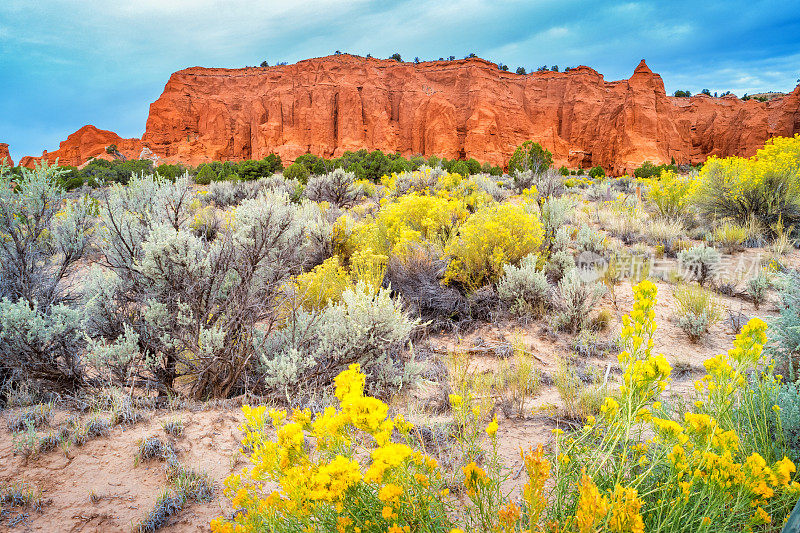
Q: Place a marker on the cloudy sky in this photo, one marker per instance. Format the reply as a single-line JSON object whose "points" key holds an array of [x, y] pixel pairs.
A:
{"points": [[66, 63]]}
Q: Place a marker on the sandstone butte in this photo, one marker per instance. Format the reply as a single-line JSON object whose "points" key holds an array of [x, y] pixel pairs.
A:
{"points": [[5, 156], [455, 109]]}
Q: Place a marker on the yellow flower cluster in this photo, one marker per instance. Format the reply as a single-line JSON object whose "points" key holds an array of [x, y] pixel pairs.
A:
{"points": [[491, 238], [314, 462], [326, 282]]}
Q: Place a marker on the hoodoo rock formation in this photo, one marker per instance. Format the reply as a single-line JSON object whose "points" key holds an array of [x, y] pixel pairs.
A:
{"points": [[454, 109], [5, 155], [86, 143]]}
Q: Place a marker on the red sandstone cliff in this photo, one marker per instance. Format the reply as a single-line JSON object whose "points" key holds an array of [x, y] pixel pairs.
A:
{"points": [[5, 155], [465, 108], [88, 142]]}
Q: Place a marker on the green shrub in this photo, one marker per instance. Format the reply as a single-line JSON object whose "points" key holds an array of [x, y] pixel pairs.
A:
{"points": [[648, 170], [460, 167], [697, 310], [170, 171], [314, 164], [298, 172], [597, 172], [530, 156], [757, 288], [252, 169], [491, 238], [205, 175], [700, 262]]}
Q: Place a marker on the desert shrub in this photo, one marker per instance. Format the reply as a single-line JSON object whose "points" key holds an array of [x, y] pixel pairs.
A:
{"points": [[205, 223], [559, 264], [730, 237], [649, 170], [597, 172], [312, 347], [575, 299], [424, 180], [700, 262], [35, 417], [697, 310], [229, 193], [519, 381], [253, 169], [669, 193], [154, 448], [765, 187], [524, 288], [757, 288], [168, 503], [664, 232], [542, 184], [296, 171], [44, 236], [174, 427], [530, 156], [205, 175], [192, 303], [337, 188], [417, 276], [491, 238], [589, 240], [492, 186], [42, 344], [787, 398]]}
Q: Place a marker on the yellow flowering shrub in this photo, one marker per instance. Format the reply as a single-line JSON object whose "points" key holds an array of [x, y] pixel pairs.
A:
{"points": [[670, 193], [336, 471], [638, 469], [410, 219], [492, 237], [765, 187], [327, 282]]}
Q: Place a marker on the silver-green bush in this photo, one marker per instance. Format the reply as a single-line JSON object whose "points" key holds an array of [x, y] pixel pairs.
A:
{"points": [[313, 347], [524, 288]]}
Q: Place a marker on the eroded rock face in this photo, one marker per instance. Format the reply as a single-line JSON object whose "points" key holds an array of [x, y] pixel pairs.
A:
{"points": [[465, 108], [5, 154], [86, 143]]}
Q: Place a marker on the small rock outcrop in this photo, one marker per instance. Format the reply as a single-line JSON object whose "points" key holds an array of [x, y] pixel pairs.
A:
{"points": [[5, 155], [87, 143]]}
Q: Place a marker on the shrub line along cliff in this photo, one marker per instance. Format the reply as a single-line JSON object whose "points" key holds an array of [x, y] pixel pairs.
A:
{"points": [[454, 109]]}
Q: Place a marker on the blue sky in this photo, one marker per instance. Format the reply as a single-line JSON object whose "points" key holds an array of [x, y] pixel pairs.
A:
{"points": [[66, 63]]}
